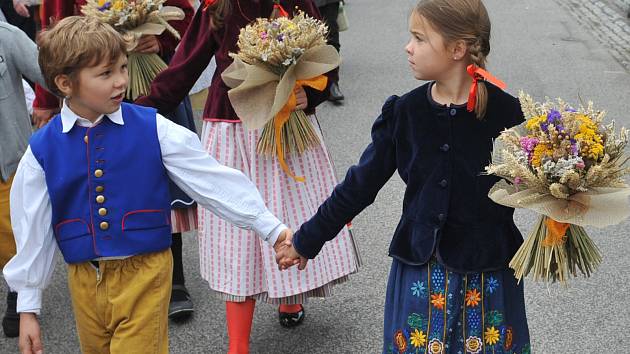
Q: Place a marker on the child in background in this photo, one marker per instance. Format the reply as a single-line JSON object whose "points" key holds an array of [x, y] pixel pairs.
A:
{"points": [[111, 224], [18, 58], [450, 289]]}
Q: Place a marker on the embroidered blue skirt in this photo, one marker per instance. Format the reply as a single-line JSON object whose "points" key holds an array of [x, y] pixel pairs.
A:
{"points": [[429, 309]]}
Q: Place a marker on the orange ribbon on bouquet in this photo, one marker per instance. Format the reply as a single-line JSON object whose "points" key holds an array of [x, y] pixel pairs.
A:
{"points": [[318, 83], [556, 232], [478, 73]]}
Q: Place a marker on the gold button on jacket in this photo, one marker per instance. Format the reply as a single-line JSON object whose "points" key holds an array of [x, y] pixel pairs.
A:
{"points": [[85, 138], [104, 225], [100, 199], [102, 212], [100, 189], [98, 173]]}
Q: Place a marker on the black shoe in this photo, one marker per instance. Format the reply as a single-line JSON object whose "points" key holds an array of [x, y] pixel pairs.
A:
{"points": [[291, 319], [335, 94], [11, 319], [181, 306]]}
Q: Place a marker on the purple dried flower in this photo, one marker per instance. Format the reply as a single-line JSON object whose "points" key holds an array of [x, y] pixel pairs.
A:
{"points": [[553, 116]]}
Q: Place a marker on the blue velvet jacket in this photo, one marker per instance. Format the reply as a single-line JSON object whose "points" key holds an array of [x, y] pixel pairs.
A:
{"points": [[440, 153]]}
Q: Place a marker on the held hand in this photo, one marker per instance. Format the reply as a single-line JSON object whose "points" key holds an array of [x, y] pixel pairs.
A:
{"points": [[147, 44], [21, 9], [287, 256], [280, 242], [301, 99], [30, 336], [42, 116]]}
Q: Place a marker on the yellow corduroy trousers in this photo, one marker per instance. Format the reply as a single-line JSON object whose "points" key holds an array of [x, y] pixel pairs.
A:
{"points": [[123, 306], [7, 241]]}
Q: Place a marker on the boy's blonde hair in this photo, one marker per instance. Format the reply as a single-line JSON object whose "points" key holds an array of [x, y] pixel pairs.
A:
{"points": [[74, 43], [465, 20]]}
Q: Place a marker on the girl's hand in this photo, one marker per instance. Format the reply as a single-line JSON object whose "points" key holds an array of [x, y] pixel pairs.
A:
{"points": [[30, 336], [287, 256], [147, 44], [300, 96]]}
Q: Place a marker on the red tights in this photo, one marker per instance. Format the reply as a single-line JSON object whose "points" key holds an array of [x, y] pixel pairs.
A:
{"points": [[239, 323]]}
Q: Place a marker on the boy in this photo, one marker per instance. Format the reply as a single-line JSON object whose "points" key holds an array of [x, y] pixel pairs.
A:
{"points": [[95, 180], [18, 57]]}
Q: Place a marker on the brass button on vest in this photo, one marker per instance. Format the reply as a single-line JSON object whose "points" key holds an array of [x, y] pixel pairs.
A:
{"points": [[85, 138], [98, 173], [104, 225], [99, 189], [102, 212], [100, 199]]}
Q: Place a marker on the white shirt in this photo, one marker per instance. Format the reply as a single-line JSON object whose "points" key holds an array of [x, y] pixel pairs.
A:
{"points": [[224, 191]]}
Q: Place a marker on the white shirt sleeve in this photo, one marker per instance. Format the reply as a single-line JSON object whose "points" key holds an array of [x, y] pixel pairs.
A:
{"points": [[30, 270], [225, 191]]}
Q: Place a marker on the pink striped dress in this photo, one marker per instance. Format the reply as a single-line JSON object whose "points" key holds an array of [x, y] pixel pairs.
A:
{"points": [[235, 262]]}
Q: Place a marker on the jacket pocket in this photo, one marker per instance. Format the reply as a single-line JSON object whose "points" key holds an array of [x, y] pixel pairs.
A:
{"points": [[145, 219], [70, 229]]}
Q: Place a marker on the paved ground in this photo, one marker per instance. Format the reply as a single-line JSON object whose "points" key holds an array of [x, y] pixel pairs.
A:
{"points": [[538, 46]]}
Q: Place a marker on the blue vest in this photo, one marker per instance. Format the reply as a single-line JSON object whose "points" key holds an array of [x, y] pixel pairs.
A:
{"points": [[108, 186]]}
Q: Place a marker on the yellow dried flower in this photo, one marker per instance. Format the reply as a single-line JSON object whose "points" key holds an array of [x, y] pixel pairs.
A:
{"points": [[540, 151], [534, 123]]}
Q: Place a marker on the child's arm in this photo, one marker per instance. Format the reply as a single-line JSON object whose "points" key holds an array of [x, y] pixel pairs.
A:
{"points": [[30, 270], [192, 56], [357, 191], [225, 191]]}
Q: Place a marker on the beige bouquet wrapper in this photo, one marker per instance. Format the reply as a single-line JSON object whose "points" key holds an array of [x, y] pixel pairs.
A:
{"points": [[258, 94], [599, 207]]}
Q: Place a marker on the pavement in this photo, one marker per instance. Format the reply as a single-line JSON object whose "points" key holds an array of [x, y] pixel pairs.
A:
{"points": [[561, 48]]}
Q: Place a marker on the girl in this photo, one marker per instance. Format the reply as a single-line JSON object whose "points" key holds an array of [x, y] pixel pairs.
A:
{"points": [[450, 289], [238, 267]]}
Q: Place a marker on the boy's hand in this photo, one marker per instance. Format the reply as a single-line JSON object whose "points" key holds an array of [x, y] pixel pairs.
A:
{"points": [[147, 44], [287, 256], [301, 99], [30, 336]]}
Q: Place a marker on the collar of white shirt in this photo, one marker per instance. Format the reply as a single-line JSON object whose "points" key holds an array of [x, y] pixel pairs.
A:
{"points": [[69, 118]]}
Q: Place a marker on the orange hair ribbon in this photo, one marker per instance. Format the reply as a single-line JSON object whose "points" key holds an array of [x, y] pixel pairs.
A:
{"points": [[478, 73], [318, 83], [208, 3]]}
